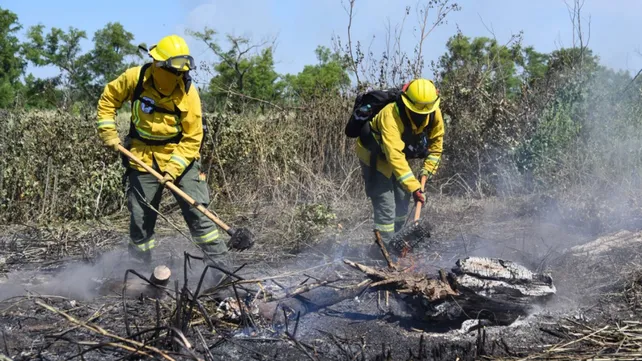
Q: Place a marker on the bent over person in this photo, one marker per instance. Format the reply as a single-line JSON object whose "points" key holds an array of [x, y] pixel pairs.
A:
{"points": [[410, 127], [166, 132]]}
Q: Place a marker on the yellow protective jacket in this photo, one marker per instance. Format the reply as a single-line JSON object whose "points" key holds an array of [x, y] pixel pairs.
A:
{"points": [[387, 129], [171, 158]]}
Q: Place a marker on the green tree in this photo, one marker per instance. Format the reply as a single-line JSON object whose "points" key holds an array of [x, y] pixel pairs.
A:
{"points": [[486, 64], [112, 45], [11, 64], [82, 75], [492, 100], [566, 101], [327, 77], [535, 64], [256, 77], [38, 93], [62, 50], [241, 74]]}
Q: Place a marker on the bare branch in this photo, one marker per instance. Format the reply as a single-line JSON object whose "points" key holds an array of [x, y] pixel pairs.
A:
{"points": [[572, 15], [353, 63], [579, 39], [442, 12]]}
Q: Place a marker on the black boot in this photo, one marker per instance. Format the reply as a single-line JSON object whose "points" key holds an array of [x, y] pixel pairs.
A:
{"points": [[144, 257]]}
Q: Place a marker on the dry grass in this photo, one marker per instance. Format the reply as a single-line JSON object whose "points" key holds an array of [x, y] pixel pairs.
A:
{"points": [[44, 246], [617, 339]]}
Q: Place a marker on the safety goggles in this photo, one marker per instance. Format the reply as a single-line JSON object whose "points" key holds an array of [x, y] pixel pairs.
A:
{"points": [[177, 64], [421, 105]]}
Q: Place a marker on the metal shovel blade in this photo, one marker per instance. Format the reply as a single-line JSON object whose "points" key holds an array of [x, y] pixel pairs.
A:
{"points": [[410, 236], [242, 239]]}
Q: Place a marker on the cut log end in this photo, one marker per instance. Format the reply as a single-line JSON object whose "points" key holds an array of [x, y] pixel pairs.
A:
{"points": [[161, 275]]}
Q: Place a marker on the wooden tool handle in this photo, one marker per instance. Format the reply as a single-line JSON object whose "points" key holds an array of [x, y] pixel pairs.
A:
{"points": [[418, 207], [175, 189]]}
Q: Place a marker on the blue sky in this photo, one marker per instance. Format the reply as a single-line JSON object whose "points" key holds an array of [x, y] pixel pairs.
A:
{"points": [[301, 25]]}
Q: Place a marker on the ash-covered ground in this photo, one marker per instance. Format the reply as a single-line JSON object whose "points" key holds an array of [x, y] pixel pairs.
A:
{"points": [[591, 287]]}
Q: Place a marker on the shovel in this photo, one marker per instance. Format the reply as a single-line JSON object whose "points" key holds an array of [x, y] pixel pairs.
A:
{"points": [[408, 237], [241, 239]]}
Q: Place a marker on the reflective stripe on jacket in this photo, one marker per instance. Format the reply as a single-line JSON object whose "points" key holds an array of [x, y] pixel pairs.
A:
{"points": [[387, 129], [171, 158]]}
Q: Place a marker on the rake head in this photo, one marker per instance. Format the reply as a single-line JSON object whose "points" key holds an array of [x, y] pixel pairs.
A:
{"points": [[410, 236], [242, 239]]}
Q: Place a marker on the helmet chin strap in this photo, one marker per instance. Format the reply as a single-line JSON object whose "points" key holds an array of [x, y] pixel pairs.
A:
{"points": [[416, 118]]}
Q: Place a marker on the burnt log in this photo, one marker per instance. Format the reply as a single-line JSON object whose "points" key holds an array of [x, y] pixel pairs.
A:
{"points": [[494, 290], [311, 301], [609, 245]]}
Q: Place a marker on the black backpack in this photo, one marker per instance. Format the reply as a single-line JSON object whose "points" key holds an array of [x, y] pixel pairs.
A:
{"points": [[366, 106]]}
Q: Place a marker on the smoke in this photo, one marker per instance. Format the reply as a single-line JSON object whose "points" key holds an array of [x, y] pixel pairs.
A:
{"points": [[74, 280]]}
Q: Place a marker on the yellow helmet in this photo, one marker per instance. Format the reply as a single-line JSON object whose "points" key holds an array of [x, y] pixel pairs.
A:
{"points": [[420, 96], [172, 52]]}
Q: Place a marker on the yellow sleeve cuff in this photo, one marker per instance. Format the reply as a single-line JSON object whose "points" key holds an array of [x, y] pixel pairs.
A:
{"points": [[409, 181], [173, 169], [107, 131]]}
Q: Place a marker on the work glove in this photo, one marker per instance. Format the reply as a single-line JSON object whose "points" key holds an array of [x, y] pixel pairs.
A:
{"points": [[113, 143], [166, 178], [418, 196]]}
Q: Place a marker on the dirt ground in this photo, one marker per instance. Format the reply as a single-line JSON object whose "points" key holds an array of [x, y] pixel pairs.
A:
{"points": [[596, 288]]}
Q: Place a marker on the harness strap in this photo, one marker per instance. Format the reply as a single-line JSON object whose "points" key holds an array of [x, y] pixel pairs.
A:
{"points": [[133, 133]]}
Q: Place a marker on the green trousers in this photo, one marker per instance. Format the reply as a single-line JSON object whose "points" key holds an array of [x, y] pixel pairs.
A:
{"points": [[390, 202], [144, 191]]}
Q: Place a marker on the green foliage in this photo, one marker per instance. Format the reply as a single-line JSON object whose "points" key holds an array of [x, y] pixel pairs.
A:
{"points": [[257, 78], [242, 79], [39, 93], [516, 113], [11, 65], [570, 81], [556, 131], [240, 72], [82, 75], [323, 79], [62, 50], [310, 220], [73, 177], [112, 44], [535, 65], [481, 90], [7, 93], [492, 67]]}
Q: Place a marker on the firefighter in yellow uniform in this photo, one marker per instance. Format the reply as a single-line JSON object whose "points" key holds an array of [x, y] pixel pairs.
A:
{"points": [[166, 132], [411, 127]]}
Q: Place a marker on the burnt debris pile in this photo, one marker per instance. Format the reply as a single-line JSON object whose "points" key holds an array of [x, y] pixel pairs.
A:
{"points": [[171, 319]]}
